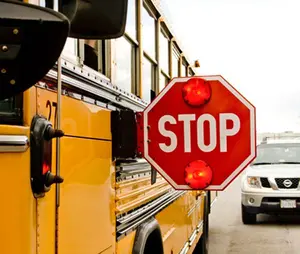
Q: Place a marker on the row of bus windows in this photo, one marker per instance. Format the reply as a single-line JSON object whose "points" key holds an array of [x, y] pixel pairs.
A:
{"points": [[124, 53]]}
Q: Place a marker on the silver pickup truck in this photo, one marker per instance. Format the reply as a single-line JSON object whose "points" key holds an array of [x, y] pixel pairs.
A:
{"points": [[270, 185]]}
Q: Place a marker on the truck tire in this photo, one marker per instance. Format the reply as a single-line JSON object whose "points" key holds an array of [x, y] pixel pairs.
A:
{"points": [[248, 218]]}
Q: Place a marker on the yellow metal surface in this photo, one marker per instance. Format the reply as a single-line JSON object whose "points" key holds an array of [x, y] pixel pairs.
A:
{"points": [[45, 222], [125, 245], [141, 191], [29, 105], [173, 224], [86, 218], [86, 214], [17, 220], [77, 117], [126, 204], [134, 183]]}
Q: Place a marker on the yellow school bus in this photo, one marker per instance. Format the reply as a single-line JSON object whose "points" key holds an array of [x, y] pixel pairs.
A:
{"points": [[94, 201]]}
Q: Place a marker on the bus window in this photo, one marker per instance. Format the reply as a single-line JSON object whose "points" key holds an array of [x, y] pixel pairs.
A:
{"points": [[148, 80], [11, 110], [91, 54], [94, 53]]}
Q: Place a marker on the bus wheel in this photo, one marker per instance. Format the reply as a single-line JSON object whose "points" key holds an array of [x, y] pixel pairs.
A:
{"points": [[148, 238]]}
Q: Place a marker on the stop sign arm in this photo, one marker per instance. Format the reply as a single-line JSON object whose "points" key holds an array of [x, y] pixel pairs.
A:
{"points": [[140, 134]]}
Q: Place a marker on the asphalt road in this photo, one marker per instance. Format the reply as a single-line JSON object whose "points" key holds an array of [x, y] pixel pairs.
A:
{"points": [[228, 234]]}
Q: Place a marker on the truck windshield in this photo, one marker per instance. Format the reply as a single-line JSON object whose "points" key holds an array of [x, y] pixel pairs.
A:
{"points": [[278, 154], [11, 110]]}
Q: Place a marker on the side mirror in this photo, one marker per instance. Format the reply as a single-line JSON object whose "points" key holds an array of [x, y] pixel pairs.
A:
{"points": [[29, 44], [96, 19]]}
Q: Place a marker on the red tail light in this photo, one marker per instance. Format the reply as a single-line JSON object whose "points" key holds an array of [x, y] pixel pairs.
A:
{"points": [[47, 156], [196, 92], [198, 175], [41, 137], [46, 168]]}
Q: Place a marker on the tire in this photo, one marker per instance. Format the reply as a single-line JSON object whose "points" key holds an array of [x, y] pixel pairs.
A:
{"points": [[248, 218]]}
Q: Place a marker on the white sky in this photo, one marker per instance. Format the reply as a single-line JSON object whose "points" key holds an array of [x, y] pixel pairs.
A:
{"points": [[254, 44]]}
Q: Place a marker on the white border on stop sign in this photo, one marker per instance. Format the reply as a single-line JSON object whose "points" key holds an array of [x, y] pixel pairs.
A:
{"points": [[252, 131]]}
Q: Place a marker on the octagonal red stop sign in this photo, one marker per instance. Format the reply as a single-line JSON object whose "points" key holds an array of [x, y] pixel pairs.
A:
{"points": [[220, 133]]}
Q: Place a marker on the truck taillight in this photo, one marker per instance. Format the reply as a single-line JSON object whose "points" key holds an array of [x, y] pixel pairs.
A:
{"points": [[41, 136]]}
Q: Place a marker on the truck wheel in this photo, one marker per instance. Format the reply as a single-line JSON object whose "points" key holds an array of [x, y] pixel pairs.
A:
{"points": [[248, 218]]}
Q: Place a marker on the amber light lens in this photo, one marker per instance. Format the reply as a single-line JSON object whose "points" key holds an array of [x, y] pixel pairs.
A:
{"points": [[196, 92], [198, 175]]}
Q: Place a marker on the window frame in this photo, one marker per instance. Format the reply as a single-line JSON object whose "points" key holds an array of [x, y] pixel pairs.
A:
{"points": [[133, 65], [176, 55], [164, 33], [147, 8], [153, 74]]}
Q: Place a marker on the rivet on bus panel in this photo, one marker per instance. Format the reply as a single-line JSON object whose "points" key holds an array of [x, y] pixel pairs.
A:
{"points": [[3, 71], [12, 82], [15, 31]]}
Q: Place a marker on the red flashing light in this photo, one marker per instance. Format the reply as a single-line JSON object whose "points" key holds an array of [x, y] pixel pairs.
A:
{"points": [[198, 175], [46, 168], [196, 92]]}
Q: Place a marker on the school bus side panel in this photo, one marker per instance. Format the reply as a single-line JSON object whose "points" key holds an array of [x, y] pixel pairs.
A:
{"points": [[173, 223], [86, 218], [18, 217], [45, 206]]}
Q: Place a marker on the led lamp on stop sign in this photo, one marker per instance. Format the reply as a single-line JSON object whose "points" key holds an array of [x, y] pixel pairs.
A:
{"points": [[196, 92], [198, 175]]}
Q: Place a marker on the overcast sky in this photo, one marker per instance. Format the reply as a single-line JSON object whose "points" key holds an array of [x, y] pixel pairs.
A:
{"points": [[254, 44]]}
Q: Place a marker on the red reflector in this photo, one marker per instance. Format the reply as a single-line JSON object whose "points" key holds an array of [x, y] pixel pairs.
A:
{"points": [[198, 175], [46, 168], [196, 92]]}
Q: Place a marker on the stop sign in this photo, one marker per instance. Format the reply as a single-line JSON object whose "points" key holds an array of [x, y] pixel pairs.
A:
{"points": [[207, 128]]}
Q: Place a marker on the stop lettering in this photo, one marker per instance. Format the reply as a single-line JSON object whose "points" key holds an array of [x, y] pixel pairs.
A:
{"points": [[188, 120]]}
